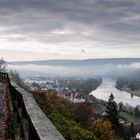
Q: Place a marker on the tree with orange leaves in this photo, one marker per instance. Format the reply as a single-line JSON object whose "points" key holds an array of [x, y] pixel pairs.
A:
{"points": [[102, 129]]}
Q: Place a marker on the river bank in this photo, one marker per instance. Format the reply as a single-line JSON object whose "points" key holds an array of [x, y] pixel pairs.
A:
{"points": [[131, 86], [108, 86]]}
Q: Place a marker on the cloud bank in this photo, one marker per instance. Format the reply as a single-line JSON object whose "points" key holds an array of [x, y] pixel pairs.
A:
{"points": [[74, 29]]}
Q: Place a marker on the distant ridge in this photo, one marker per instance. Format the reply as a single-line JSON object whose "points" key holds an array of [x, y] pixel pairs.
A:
{"points": [[86, 62]]}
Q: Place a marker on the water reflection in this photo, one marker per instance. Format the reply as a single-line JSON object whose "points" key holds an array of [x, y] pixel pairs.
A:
{"points": [[108, 86]]}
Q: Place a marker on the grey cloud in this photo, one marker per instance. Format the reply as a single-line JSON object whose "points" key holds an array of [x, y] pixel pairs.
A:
{"points": [[83, 51], [38, 18]]}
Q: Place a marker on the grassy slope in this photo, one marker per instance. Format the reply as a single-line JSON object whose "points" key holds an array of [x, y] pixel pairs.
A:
{"points": [[136, 92], [129, 117]]}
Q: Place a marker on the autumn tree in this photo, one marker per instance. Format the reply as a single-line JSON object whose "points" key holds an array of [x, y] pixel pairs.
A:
{"points": [[84, 114], [60, 112], [102, 129], [3, 65], [15, 77]]}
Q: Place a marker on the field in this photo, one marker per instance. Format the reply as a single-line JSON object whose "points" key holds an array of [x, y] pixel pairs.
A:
{"points": [[129, 117], [135, 92]]}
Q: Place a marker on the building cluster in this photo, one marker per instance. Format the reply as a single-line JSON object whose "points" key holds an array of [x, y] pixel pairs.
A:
{"points": [[35, 86], [74, 96], [42, 86]]}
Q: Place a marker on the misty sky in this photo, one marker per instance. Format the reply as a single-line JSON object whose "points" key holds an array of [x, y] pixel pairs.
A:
{"points": [[69, 29]]}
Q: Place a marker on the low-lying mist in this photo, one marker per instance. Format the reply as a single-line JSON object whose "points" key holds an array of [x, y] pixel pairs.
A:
{"points": [[106, 70]]}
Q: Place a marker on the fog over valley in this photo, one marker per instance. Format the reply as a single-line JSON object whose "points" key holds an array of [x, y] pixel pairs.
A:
{"points": [[94, 67], [72, 64]]}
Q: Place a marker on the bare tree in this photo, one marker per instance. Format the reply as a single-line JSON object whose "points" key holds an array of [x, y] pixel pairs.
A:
{"points": [[3, 65]]}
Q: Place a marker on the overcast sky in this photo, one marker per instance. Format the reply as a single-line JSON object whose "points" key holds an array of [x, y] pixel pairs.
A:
{"points": [[69, 29]]}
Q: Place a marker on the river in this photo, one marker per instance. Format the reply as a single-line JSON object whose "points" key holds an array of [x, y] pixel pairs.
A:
{"points": [[108, 86]]}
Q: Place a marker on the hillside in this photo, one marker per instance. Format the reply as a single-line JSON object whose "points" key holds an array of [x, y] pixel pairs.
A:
{"points": [[86, 62]]}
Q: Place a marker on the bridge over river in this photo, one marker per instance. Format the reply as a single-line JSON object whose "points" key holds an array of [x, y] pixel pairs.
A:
{"points": [[34, 124]]}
